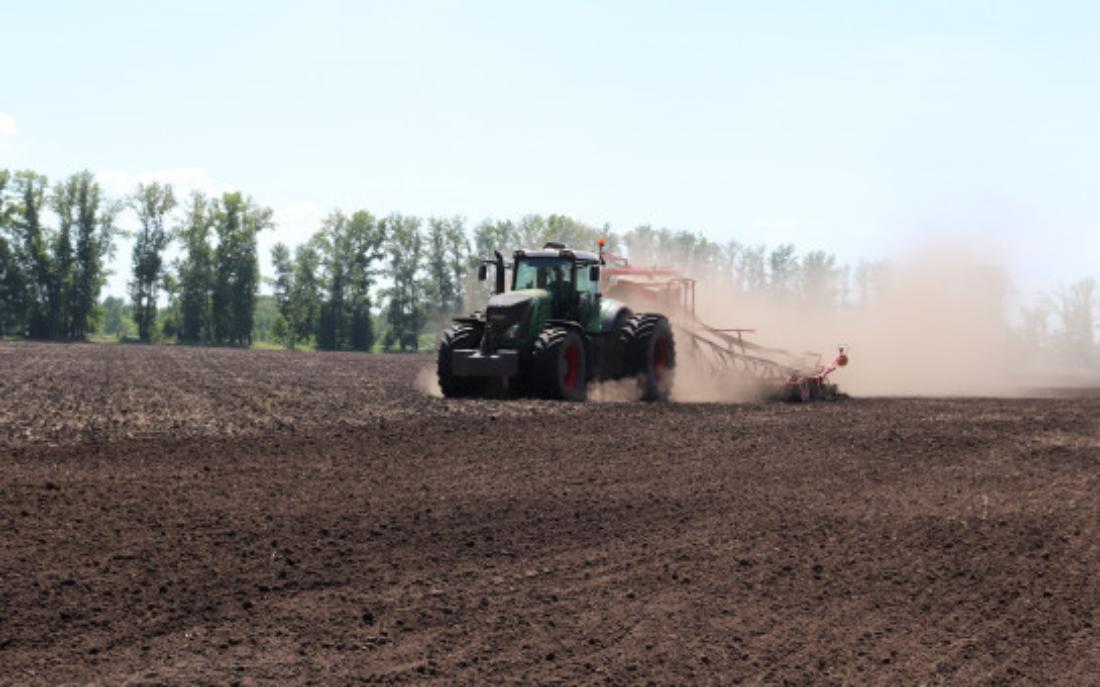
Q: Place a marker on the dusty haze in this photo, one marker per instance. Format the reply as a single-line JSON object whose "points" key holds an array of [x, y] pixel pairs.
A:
{"points": [[932, 325]]}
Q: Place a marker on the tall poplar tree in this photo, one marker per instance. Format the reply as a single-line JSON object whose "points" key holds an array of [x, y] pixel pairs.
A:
{"points": [[94, 242], [196, 271], [35, 262], [237, 221], [405, 310], [152, 203]]}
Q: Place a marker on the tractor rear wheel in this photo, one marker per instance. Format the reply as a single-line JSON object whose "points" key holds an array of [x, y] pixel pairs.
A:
{"points": [[559, 367], [460, 335], [649, 354]]}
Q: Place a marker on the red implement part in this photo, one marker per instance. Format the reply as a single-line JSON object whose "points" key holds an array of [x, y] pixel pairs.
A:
{"points": [[724, 349]]}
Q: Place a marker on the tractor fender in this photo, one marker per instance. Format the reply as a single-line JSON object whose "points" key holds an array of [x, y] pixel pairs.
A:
{"points": [[477, 319], [613, 314], [568, 324]]}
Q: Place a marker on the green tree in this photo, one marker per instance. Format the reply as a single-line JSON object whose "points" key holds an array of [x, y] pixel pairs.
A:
{"points": [[871, 280], [698, 255], [365, 236], [283, 281], [227, 213], [333, 327], [753, 268], [35, 263], [446, 262], [405, 309], [1076, 311], [349, 248], [61, 293], [641, 244], [11, 290], [490, 236], [458, 252], [691, 252], [534, 231], [265, 322], [731, 263], [782, 269], [196, 272], [531, 232], [116, 319], [170, 317], [94, 219], [820, 280], [297, 292], [13, 287], [305, 293], [237, 221], [152, 203]]}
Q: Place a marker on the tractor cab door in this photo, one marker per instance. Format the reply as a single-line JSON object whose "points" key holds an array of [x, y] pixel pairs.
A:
{"points": [[588, 300], [557, 280]]}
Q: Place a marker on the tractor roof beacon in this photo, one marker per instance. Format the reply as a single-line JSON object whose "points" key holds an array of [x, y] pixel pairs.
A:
{"points": [[553, 332]]}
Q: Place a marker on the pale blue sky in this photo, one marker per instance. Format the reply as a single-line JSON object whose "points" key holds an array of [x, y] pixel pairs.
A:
{"points": [[857, 127]]}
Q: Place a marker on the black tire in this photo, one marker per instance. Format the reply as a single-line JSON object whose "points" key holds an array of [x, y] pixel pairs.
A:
{"points": [[460, 335], [649, 355], [612, 361], [801, 392], [559, 366]]}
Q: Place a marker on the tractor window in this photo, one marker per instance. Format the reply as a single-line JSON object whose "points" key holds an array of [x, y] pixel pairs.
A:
{"points": [[583, 283], [542, 273]]}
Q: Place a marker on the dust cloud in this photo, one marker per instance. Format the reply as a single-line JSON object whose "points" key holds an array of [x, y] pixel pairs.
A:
{"points": [[427, 382], [614, 390], [938, 327], [696, 382], [932, 323]]}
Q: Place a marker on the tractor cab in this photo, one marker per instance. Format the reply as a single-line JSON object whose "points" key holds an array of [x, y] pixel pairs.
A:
{"points": [[570, 279]]}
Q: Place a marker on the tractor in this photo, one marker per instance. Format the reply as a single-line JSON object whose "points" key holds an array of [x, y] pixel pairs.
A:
{"points": [[553, 333]]}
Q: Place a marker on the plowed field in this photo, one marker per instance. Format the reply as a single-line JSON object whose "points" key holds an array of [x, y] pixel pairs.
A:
{"points": [[186, 516]]}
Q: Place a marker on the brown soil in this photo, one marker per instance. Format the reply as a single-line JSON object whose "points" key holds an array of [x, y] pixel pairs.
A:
{"points": [[193, 516]]}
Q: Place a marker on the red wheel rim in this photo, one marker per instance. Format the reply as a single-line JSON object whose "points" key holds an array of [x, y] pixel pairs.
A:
{"points": [[660, 358], [572, 367]]}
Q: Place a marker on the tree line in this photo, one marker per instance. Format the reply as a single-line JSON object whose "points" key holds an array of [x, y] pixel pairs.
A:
{"points": [[362, 279], [55, 242], [418, 270], [50, 276]]}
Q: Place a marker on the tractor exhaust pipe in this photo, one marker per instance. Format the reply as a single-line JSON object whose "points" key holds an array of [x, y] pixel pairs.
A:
{"points": [[500, 272], [498, 264]]}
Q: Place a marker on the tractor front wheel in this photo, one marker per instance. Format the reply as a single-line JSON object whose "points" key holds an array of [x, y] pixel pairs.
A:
{"points": [[459, 336], [559, 366]]}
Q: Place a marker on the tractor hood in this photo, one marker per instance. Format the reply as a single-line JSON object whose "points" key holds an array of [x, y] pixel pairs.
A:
{"points": [[507, 309]]}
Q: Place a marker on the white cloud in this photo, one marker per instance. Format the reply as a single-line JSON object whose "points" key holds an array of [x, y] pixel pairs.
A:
{"points": [[8, 129], [300, 214], [294, 224], [184, 180]]}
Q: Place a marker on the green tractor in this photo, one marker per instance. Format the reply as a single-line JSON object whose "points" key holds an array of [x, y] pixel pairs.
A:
{"points": [[553, 333]]}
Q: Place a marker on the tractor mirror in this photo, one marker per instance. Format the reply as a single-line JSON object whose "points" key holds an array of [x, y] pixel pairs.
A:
{"points": [[482, 272], [594, 273]]}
